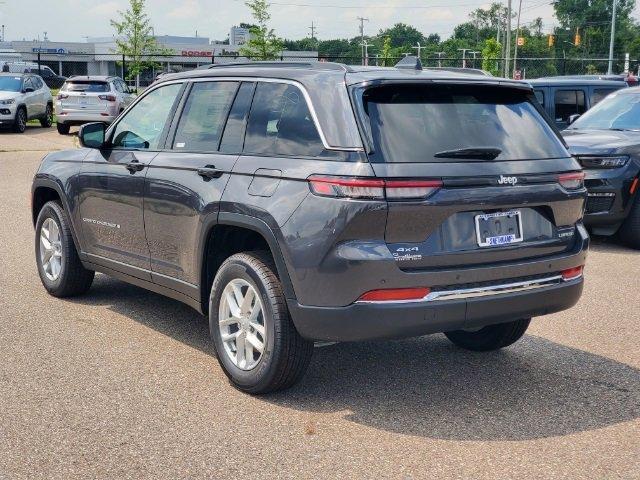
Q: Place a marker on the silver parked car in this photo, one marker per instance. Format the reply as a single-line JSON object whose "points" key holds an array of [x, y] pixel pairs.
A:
{"points": [[24, 97], [85, 99]]}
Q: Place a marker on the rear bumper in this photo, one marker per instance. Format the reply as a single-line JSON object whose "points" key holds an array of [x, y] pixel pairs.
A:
{"points": [[370, 321], [82, 118]]}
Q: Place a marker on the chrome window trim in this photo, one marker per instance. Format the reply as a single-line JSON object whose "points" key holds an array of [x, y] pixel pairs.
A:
{"points": [[295, 83]]}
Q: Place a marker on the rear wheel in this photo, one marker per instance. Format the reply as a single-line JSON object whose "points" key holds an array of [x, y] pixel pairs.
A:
{"points": [[59, 266], [630, 230], [257, 345], [491, 337], [47, 120], [20, 122], [63, 129]]}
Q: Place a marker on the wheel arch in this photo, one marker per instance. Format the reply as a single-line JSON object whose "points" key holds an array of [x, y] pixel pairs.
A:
{"points": [[247, 233]]}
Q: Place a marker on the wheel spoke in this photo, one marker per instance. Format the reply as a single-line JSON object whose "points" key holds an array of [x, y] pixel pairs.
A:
{"points": [[240, 350], [48, 253], [255, 342], [229, 321], [245, 307], [258, 328], [248, 358], [232, 303], [226, 337]]}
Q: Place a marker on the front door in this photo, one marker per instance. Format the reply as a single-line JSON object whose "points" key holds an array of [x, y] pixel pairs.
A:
{"points": [[111, 184], [185, 182]]}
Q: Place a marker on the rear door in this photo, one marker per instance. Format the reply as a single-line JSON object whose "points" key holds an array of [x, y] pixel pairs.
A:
{"points": [[111, 184], [185, 182], [484, 167]]}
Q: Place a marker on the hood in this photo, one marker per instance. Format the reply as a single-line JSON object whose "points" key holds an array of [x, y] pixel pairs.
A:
{"points": [[6, 95], [600, 141]]}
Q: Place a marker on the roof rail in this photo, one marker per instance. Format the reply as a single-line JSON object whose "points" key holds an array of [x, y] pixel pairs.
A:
{"points": [[270, 64]]}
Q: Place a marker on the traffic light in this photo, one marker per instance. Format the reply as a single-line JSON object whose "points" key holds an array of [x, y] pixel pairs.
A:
{"points": [[551, 40], [521, 41]]}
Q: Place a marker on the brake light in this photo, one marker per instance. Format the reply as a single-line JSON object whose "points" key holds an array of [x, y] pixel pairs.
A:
{"points": [[372, 188], [108, 98], [395, 294], [571, 181], [62, 96], [572, 273]]}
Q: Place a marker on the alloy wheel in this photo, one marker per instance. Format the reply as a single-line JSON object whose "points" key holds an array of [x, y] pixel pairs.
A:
{"points": [[50, 249], [241, 324]]}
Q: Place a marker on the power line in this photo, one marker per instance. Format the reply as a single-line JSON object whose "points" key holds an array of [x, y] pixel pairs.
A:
{"points": [[360, 7]]}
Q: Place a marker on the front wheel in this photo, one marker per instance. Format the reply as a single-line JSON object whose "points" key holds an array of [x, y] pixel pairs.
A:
{"points": [[20, 122], [59, 265], [491, 337], [63, 129], [630, 230], [256, 343]]}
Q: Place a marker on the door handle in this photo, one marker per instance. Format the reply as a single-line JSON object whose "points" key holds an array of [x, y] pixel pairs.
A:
{"points": [[209, 171], [134, 166]]}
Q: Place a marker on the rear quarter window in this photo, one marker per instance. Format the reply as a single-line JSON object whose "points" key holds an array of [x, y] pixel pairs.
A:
{"points": [[418, 123]]}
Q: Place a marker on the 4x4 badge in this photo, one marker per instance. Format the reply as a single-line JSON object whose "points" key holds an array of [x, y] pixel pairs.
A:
{"points": [[507, 180]]}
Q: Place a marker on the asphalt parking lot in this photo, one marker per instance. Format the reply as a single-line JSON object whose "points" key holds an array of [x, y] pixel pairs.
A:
{"points": [[121, 383]]}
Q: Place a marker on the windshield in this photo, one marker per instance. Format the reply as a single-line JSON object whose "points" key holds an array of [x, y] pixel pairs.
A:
{"points": [[10, 84], [617, 112], [86, 86], [445, 123]]}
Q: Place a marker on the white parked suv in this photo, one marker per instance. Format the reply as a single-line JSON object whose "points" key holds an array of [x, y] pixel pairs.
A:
{"points": [[24, 97], [93, 98]]}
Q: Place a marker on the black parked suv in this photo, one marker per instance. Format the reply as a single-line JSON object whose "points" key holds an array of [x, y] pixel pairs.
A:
{"points": [[606, 141], [294, 203]]}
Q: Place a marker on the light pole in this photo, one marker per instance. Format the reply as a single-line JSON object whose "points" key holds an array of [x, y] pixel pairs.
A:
{"points": [[419, 48], [515, 50], [362, 20], [474, 53], [365, 49], [612, 39], [507, 52], [440, 58], [464, 56]]}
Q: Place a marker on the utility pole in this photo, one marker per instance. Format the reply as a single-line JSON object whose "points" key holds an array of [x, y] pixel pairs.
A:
{"points": [[419, 48], [464, 56], [365, 49], [313, 29], [440, 58], [613, 35], [507, 53], [362, 20], [515, 49]]}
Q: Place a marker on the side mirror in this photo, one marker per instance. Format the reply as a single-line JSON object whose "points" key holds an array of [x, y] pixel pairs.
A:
{"points": [[28, 90], [573, 118], [91, 135]]}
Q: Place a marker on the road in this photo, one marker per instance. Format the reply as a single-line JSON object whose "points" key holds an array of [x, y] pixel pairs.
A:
{"points": [[121, 383]]}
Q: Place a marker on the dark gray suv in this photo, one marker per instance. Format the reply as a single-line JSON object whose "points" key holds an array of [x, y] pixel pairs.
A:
{"points": [[294, 203]]}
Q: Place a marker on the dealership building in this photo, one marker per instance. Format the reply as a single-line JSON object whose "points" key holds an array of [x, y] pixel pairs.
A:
{"points": [[97, 56]]}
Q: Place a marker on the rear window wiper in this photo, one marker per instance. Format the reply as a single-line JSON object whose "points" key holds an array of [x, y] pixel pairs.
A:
{"points": [[475, 153]]}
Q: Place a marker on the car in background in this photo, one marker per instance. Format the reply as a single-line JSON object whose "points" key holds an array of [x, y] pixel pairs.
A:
{"points": [[606, 142], [51, 78], [93, 98], [630, 79], [24, 97], [562, 97]]}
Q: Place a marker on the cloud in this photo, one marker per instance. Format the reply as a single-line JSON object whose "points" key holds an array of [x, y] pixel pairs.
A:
{"points": [[104, 9]]}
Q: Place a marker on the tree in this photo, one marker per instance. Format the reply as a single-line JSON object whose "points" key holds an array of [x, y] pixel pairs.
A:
{"points": [[136, 41], [403, 35], [491, 55], [263, 43], [386, 51]]}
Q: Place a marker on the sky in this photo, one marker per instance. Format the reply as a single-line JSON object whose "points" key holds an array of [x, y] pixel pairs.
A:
{"points": [[74, 20]]}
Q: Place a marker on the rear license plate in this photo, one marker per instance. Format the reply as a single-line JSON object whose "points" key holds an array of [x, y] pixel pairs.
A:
{"points": [[500, 228]]}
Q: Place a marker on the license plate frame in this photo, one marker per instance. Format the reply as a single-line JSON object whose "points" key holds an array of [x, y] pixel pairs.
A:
{"points": [[500, 239]]}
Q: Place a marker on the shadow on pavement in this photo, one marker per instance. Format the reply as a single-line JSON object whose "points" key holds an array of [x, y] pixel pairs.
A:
{"points": [[425, 386]]}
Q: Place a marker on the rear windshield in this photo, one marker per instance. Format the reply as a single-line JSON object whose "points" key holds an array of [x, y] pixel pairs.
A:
{"points": [[445, 123], [88, 86]]}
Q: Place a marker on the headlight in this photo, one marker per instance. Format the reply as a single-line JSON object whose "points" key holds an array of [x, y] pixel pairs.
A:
{"points": [[603, 161], [7, 102]]}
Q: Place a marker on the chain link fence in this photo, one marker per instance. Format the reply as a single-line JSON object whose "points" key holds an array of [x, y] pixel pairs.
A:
{"points": [[119, 65]]}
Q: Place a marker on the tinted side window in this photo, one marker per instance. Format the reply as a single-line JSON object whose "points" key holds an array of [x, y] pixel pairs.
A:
{"points": [[142, 126], [599, 94], [568, 102], [204, 114], [233, 136], [37, 83], [539, 96], [28, 83], [280, 123]]}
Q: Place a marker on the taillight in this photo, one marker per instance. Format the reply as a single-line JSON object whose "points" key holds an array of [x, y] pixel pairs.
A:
{"points": [[572, 273], [395, 294], [108, 98], [372, 188], [571, 181], [62, 96]]}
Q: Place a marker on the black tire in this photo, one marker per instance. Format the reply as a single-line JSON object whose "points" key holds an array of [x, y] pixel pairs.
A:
{"points": [[20, 122], [47, 120], [63, 129], [73, 279], [630, 230], [492, 337], [286, 354]]}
